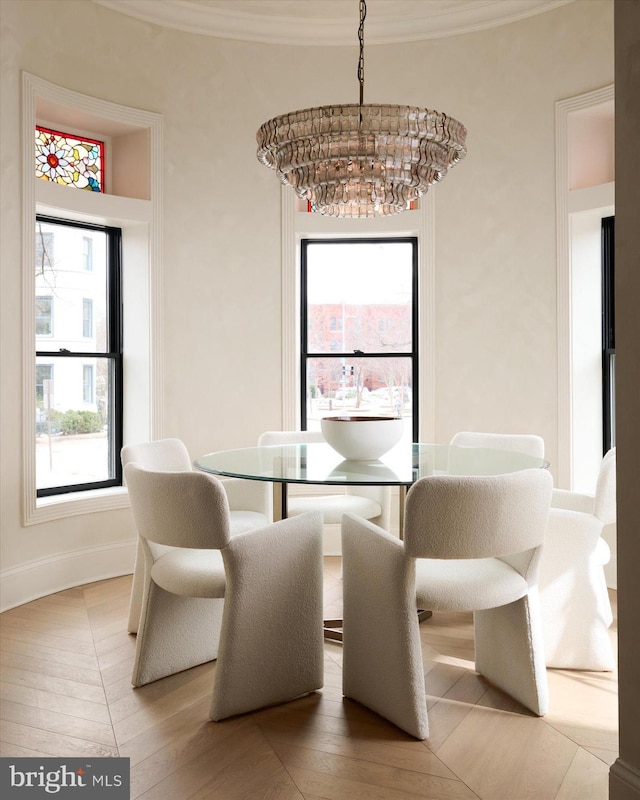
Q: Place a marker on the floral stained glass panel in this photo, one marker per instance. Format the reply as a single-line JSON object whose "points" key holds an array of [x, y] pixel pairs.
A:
{"points": [[68, 160]]}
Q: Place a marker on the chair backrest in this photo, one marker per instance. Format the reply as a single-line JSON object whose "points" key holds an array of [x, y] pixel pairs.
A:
{"points": [[179, 509], [528, 443], [290, 437], [451, 516], [164, 454], [604, 506]]}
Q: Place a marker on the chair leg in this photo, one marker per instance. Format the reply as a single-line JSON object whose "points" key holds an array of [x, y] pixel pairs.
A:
{"points": [[137, 589], [382, 658], [576, 611], [577, 616], [510, 651], [176, 633], [271, 644]]}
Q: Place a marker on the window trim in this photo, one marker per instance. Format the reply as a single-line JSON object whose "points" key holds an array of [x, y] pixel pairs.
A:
{"points": [[295, 226], [413, 355], [113, 354], [141, 222], [564, 471]]}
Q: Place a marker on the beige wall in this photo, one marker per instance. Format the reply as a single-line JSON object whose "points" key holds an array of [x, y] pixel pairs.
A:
{"points": [[495, 215]]}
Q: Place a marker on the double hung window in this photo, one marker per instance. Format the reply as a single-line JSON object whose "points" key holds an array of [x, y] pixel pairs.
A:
{"points": [[78, 363], [359, 329]]}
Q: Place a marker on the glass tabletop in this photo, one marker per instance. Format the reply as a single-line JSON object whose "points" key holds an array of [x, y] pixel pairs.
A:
{"points": [[403, 465]]}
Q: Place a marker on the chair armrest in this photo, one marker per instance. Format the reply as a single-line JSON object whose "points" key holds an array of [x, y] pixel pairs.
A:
{"points": [[382, 659], [572, 501], [245, 495], [571, 534], [271, 642], [378, 577]]}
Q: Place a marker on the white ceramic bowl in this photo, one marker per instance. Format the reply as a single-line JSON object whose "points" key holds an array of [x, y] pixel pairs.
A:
{"points": [[359, 438]]}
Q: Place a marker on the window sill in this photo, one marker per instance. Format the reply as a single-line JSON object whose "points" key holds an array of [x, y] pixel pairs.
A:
{"points": [[76, 503]]}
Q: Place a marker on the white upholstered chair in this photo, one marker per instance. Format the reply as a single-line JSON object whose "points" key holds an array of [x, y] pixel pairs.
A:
{"points": [[576, 610], [252, 601], [470, 544], [528, 443], [249, 501], [369, 502]]}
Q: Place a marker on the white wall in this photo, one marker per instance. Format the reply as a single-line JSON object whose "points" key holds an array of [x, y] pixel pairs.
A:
{"points": [[495, 216]]}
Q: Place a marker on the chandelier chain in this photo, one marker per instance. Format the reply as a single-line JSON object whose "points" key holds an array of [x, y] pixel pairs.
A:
{"points": [[363, 14]]}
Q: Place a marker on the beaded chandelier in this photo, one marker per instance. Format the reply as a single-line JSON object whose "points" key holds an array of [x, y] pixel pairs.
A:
{"points": [[361, 160]]}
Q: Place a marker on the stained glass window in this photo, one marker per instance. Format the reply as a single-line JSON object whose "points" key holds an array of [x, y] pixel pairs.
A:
{"points": [[69, 160]]}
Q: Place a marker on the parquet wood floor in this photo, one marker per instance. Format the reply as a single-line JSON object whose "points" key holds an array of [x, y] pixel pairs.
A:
{"points": [[65, 691]]}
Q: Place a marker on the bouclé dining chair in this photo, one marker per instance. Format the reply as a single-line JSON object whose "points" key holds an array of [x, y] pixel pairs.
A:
{"points": [[249, 502], [470, 544], [576, 610], [370, 502], [252, 601]]}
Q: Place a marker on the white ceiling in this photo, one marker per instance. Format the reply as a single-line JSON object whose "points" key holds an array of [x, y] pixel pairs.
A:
{"points": [[329, 22]]}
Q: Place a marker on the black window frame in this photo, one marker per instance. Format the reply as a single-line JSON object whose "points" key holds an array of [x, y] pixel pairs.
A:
{"points": [[413, 354], [608, 334], [114, 354]]}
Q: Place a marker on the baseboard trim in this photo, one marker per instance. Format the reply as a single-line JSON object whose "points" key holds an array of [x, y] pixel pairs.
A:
{"points": [[46, 576], [624, 781]]}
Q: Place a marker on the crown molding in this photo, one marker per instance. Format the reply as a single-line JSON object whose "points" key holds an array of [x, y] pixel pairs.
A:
{"points": [[329, 22]]}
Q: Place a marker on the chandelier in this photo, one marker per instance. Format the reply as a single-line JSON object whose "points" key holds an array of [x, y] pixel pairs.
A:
{"points": [[361, 160]]}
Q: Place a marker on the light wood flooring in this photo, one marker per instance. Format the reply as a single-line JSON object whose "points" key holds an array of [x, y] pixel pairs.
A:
{"points": [[66, 662]]}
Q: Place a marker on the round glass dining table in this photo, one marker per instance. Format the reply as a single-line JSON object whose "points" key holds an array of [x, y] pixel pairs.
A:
{"points": [[320, 464]]}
